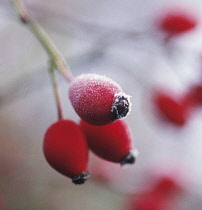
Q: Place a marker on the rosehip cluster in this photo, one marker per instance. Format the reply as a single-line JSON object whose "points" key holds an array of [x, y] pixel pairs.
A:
{"points": [[98, 100], [175, 110]]}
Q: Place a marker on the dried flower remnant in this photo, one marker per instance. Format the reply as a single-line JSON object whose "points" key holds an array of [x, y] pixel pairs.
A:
{"points": [[121, 105]]}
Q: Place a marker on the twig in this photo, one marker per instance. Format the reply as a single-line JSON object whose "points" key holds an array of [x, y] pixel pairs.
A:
{"points": [[54, 55], [56, 91]]}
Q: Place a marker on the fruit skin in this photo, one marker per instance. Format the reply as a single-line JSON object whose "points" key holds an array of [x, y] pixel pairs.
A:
{"points": [[111, 142], [175, 111], [160, 197], [195, 94], [177, 22], [66, 150], [168, 186], [148, 201], [97, 99]]}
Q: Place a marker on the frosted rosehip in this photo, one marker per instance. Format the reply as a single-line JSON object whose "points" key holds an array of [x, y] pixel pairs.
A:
{"points": [[112, 142], [98, 100], [171, 109], [66, 150], [177, 22]]}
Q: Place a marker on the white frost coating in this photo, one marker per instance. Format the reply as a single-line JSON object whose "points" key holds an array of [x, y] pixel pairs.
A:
{"points": [[96, 78], [87, 91], [134, 152]]}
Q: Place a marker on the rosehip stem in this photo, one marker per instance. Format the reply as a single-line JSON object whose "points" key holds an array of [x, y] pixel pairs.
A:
{"points": [[56, 90], [54, 55]]}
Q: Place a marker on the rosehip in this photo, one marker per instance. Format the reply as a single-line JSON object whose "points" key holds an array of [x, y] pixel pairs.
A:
{"points": [[111, 142], [148, 201], [177, 22], [98, 100], [195, 94], [167, 185], [172, 110], [66, 150]]}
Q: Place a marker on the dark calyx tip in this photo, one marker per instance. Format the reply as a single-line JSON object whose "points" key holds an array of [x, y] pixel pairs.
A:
{"points": [[81, 178], [121, 106], [130, 158]]}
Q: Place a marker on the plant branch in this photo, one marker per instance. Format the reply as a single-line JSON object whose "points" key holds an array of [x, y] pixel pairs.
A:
{"points": [[56, 90], [54, 55]]}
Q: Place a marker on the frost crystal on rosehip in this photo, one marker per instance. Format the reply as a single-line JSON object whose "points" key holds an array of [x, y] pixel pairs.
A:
{"points": [[66, 150], [98, 100], [111, 142]]}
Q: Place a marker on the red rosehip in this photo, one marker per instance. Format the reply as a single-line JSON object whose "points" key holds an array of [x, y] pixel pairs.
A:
{"points": [[111, 142], [66, 150], [175, 111], [177, 22], [148, 201], [97, 99], [195, 94], [167, 186]]}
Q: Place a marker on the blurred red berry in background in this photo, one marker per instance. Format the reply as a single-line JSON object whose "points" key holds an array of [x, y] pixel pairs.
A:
{"points": [[195, 94], [174, 110], [148, 201], [167, 185], [176, 22], [161, 196]]}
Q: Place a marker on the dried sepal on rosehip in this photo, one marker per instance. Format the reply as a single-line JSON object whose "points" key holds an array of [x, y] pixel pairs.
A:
{"points": [[66, 150], [111, 142], [98, 100]]}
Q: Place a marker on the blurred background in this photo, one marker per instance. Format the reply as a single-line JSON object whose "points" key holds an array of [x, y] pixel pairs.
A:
{"points": [[124, 41]]}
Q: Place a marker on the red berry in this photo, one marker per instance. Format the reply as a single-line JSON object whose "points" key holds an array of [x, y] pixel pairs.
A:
{"points": [[195, 94], [175, 111], [111, 142], [167, 185], [177, 22], [66, 150], [98, 100], [148, 201]]}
